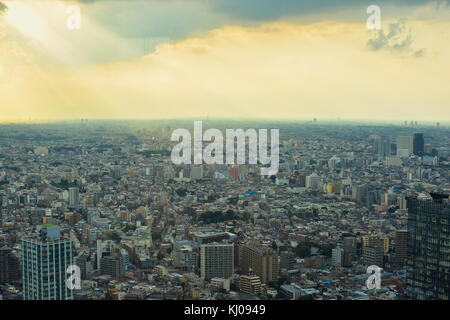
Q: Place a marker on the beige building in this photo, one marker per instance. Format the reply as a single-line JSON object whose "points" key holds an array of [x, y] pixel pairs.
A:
{"points": [[250, 284], [262, 261], [372, 241]]}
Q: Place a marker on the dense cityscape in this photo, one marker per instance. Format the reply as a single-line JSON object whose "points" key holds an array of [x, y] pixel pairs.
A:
{"points": [[105, 196]]}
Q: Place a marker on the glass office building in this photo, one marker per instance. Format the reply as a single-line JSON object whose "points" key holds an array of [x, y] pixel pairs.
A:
{"points": [[45, 259], [428, 252]]}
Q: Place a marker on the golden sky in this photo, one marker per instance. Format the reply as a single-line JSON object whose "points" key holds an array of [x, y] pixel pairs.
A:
{"points": [[291, 66]]}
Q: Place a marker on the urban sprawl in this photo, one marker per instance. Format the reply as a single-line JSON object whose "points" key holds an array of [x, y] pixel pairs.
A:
{"points": [[106, 197]]}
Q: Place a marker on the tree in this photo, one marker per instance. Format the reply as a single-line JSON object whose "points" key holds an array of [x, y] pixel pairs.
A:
{"points": [[274, 246], [303, 250], [156, 236], [115, 237]]}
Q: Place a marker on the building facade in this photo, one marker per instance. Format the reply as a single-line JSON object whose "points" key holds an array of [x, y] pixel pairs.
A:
{"points": [[216, 261], [45, 260], [262, 261], [428, 260]]}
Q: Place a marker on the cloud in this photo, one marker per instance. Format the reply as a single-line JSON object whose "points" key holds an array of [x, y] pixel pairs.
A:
{"points": [[277, 70], [398, 38], [275, 9], [269, 10]]}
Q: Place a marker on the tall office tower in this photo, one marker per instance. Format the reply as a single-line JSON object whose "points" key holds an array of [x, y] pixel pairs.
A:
{"points": [[401, 247], [216, 260], [74, 197], [373, 256], [262, 261], [405, 146], [428, 260], [419, 144], [383, 146], [45, 259], [9, 266]]}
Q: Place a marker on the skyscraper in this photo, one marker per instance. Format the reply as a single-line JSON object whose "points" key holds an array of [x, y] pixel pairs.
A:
{"points": [[405, 146], [428, 260], [419, 144], [383, 146], [216, 260], [45, 259], [74, 197]]}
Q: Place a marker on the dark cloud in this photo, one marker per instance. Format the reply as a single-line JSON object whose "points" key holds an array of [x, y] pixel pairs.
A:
{"points": [[398, 38], [273, 9], [2, 7]]}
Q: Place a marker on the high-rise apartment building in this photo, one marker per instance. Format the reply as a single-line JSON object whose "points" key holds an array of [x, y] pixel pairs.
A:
{"points": [[45, 260], [262, 261], [428, 260], [216, 260]]}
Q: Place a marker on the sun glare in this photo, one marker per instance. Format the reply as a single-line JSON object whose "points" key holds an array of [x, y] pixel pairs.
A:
{"points": [[26, 20]]}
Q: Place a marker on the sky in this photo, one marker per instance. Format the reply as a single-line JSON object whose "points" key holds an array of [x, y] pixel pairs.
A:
{"points": [[262, 59]]}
